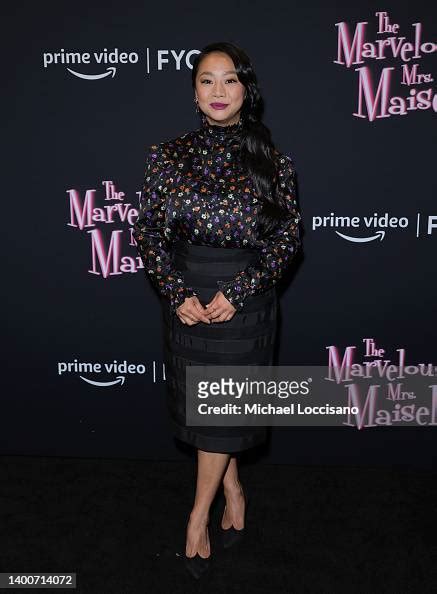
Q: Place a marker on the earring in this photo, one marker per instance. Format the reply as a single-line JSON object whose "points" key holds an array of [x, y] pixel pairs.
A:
{"points": [[197, 105]]}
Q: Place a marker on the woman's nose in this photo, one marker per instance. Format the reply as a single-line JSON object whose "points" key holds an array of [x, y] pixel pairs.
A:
{"points": [[218, 90]]}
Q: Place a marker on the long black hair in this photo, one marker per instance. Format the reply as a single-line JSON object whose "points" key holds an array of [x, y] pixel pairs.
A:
{"points": [[257, 148]]}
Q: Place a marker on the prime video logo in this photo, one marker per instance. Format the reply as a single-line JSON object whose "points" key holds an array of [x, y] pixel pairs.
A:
{"points": [[107, 61], [117, 371], [374, 226]]}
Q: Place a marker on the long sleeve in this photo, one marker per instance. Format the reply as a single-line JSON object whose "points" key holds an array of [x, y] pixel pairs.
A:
{"points": [[153, 235], [277, 251]]}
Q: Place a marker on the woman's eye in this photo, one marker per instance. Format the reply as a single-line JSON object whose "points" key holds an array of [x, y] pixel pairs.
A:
{"points": [[206, 80]]}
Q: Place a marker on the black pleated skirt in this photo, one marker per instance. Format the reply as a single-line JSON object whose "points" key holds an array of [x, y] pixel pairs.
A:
{"points": [[247, 339]]}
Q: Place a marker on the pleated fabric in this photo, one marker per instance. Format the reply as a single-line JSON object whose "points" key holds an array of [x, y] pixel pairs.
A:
{"points": [[247, 339]]}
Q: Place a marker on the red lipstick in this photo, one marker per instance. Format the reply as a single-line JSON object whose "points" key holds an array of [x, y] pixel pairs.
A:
{"points": [[219, 105]]}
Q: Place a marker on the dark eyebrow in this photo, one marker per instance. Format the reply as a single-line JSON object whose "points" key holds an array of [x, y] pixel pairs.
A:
{"points": [[227, 72]]}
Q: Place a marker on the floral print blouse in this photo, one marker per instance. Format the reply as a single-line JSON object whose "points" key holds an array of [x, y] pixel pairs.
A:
{"points": [[195, 190]]}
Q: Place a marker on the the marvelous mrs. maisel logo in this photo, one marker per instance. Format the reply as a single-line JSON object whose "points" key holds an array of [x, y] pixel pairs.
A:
{"points": [[377, 99], [373, 391], [384, 392], [107, 258]]}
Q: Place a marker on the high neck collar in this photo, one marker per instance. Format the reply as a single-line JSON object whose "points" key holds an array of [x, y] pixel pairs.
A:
{"points": [[221, 134]]}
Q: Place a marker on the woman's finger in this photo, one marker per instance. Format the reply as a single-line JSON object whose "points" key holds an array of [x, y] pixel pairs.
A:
{"points": [[218, 315], [194, 315], [200, 313], [187, 318], [212, 311], [223, 317]]}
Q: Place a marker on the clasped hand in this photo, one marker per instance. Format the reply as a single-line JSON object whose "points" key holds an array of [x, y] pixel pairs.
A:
{"points": [[219, 309]]}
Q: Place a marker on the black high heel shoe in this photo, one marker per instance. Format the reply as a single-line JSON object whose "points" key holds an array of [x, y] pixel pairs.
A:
{"points": [[197, 565], [230, 536]]}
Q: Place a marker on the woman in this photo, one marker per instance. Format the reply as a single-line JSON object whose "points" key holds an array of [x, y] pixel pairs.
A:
{"points": [[217, 227]]}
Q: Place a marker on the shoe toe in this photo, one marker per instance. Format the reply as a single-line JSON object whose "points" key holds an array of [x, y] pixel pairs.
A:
{"points": [[231, 536], [197, 565]]}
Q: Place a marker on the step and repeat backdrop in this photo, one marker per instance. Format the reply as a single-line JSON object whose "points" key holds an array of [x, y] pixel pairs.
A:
{"points": [[87, 87]]}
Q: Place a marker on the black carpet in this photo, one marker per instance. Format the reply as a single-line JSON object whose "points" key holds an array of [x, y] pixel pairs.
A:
{"points": [[120, 525]]}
